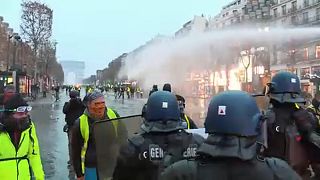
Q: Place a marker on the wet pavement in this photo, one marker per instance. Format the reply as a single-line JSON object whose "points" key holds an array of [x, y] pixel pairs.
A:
{"points": [[49, 120]]}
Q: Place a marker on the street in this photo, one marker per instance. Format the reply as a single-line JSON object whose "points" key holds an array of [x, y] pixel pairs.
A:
{"points": [[49, 121]]}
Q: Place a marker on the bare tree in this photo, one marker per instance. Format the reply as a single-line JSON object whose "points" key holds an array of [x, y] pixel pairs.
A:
{"points": [[36, 26]]}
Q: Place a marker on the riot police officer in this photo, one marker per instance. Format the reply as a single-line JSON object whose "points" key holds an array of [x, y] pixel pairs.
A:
{"points": [[230, 151], [162, 141], [291, 128]]}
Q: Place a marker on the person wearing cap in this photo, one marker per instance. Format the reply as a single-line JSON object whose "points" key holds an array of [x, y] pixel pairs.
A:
{"points": [[162, 141], [186, 120], [72, 109], [230, 150], [83, 146], [19, 151]]}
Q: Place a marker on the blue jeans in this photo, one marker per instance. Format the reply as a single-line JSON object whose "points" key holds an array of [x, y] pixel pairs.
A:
{"points": [[90, 174]]}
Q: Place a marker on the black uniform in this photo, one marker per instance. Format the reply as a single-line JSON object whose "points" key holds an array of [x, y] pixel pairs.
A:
{"points": [[73, 110], [147, 154], [236, 159], [291, 129], [161, 143], [288, 140], [230, 151]]}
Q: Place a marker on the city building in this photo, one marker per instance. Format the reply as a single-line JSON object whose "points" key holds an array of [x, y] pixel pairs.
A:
{"points": [[15, 60], [230, 14], [292, 13], [73, 72], [242, 13], [197, 25], [299, 56]]}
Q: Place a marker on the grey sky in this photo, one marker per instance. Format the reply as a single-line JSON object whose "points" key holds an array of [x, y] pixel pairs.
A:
{"points": [[97, 31]]}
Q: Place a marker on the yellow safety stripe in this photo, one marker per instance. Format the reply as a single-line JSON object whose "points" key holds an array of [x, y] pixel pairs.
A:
{"points": [[187, 119], [84, 129]]}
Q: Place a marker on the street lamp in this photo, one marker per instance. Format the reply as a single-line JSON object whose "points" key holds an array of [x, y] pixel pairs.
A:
{"points": [[17, 39], [8, 52], [246, 60]]}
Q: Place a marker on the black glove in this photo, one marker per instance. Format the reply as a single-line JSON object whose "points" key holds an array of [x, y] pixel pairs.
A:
{"points": [[304, 121]]}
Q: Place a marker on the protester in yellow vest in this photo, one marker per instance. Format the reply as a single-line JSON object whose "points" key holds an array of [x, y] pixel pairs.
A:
{"points": [[19, 149], [83, 146], [184, 117], [314, 109]]}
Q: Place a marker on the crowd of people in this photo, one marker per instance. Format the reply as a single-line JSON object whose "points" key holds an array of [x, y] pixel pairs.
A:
{"points": [[242, 142], [239, 141]]}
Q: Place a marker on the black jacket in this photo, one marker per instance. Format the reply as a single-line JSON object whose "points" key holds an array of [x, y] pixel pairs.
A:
{"points": [[73, 110], [147, 154], [290, 139], [228, 158]]}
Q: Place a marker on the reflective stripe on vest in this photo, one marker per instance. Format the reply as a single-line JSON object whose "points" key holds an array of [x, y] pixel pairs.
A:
{"points": [[188, 122], [84, 129]]}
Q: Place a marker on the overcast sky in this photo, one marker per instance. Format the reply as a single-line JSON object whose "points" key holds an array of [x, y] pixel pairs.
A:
{"points": [[97, 31]]}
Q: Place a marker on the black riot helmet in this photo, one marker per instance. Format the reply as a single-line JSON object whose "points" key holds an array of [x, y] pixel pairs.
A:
{"points": [[285, 88], [162, 113], [226, 117]]}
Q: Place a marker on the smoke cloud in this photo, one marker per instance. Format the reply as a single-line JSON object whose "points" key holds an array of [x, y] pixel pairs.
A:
{"points": [[167, 59]]}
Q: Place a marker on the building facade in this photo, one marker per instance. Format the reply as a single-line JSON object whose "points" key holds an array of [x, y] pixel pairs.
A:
{"points": [[291, 13], [299, 56], [242, 13], [197, 25]]}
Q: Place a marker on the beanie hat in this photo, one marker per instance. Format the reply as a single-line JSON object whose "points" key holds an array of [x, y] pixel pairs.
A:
{"points": [[14, 102]]}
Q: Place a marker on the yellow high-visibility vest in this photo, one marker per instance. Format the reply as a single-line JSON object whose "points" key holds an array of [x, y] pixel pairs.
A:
{"points": [[84, 129], [311, 107], [16, 164]]}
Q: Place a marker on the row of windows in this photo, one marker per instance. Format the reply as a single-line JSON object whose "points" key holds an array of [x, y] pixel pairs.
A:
{"points": [[294, 7], [234, 11], [305, 18], [306, 52]]}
